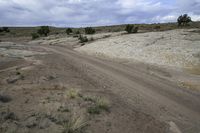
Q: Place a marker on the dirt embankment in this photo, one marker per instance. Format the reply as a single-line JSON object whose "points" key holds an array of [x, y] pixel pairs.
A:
{"points": [[176, 48]]}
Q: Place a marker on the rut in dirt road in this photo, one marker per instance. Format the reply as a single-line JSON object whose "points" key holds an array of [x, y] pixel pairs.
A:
{"points": [[161, 99]]}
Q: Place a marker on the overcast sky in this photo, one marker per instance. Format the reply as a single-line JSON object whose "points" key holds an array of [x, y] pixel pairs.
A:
{"points": [[75, 13]]}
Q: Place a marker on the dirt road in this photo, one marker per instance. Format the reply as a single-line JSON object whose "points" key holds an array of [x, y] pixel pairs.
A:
{"points": [[35, 80], [139, 90]]}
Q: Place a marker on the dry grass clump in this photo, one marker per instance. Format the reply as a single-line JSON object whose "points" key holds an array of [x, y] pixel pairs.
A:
{"points": [[74, 125], [89, 98], [100, 104], [73, 93]]}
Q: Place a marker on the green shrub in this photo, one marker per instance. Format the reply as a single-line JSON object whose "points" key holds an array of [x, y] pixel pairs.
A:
{"points": [[94, 110], [44, 30], [34, 36], [135, 30], [184, 20], [77, 32], [83, 39], [157, 27], [89, 30], [131, 29], [89, 98], [4, 29], [68, 31]]}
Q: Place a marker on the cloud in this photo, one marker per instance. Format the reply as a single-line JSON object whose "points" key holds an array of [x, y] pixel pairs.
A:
{"points": [[93, 12]]}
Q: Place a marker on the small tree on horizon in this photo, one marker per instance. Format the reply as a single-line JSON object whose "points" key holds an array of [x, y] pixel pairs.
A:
{"points": [[4, 29], [44, 30], [131, 29], [89, 30], [68, 31], [184, 20]]}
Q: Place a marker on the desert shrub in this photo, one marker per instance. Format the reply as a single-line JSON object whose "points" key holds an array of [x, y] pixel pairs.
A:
{"points": [[1, 30], [44, 30], [184, 20], [89, 30], [94, 110], [103, 104], [73, 93], [89, 98], [83, 39], [6, 29], [77, 32], [68, 31], [74, 125], [135, 30], [35, 36], [100, 104], [91, 39], [131, 29], [157, 27], [116, 30]]}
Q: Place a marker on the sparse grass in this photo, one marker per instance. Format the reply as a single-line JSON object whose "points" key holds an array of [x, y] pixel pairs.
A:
{"points": [[94, 110], [190, 85], [103, 104], [63, 109], [74, 125], [100, 104], [73, 93], [89, 98], [194, 70]]}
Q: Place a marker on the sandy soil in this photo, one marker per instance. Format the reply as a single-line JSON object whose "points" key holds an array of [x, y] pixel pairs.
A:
{"points": [[37, 79]]}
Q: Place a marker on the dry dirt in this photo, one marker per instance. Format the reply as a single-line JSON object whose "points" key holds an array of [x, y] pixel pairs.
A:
{"points": [[37, 77], [176, 48]]}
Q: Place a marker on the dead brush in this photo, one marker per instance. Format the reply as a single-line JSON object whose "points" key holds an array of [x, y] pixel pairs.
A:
{"points": [[103, 103], [73, 93], [75, 124]]}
